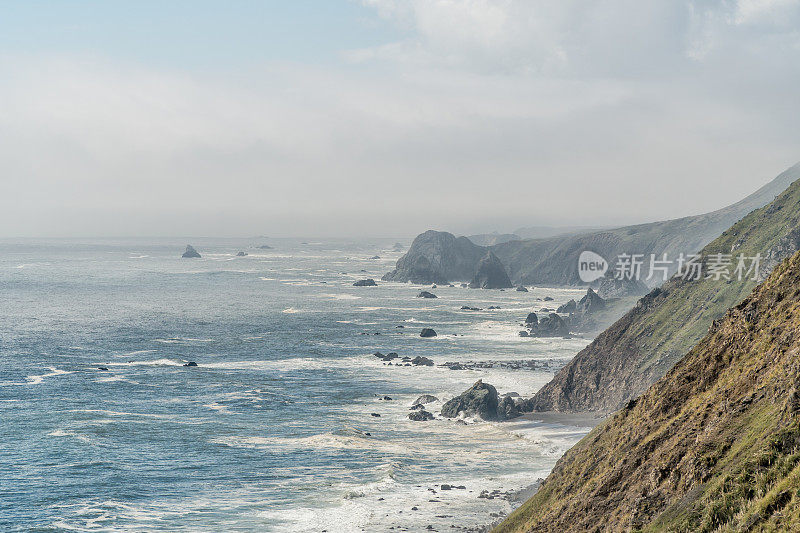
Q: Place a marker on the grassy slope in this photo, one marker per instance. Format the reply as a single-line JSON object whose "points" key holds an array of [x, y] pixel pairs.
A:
{"points": [[633, 353], [712, 446]]}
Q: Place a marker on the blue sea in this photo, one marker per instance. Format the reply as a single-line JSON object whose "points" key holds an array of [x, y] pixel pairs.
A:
{"points": [[104, 428]]}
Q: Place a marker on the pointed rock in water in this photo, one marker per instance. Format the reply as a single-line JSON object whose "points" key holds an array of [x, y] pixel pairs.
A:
{"points": [[421, 361], [590, 302], [568, 307], [190, 252], [369, 282], [547, 299], [531, 319], [427, 332], [426, 294], [490, 274], [190, 363]]}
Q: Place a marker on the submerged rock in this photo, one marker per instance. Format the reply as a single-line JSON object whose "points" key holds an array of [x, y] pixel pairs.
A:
{"points": [[369, 282], [190, 363], [265, 247], [425, 398], [241, 254], [426, 294], [490, 274], [190, 252], [521, 288], [427, 332]]}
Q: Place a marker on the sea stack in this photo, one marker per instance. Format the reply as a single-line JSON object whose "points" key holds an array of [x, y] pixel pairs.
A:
{"points": [[490, 274], [190, 252]]}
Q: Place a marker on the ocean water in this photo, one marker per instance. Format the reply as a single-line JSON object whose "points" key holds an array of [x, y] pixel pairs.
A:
{"points": [[273, 430]]}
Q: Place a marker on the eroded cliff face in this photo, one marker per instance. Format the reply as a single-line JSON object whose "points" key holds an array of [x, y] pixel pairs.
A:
{"points": [[714, 445], [639, 348]]}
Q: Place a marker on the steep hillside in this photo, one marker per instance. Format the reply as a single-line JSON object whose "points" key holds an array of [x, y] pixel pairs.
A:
{"points": [[623, 361], [553, 261], [712, 446]]}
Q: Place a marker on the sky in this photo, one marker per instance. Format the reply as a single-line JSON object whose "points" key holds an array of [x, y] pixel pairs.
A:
{"points": [[387, 117]]}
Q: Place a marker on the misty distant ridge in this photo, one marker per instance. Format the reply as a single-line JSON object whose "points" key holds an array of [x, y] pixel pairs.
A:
{"points": [[550, 258]]}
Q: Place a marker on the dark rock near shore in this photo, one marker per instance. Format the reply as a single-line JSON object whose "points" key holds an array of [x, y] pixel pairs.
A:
{"points": [[490, 274], [369, 282], [531, 319], [427, 332], [550, 325], [190, 252], [481, 400], [421, 361], [420, 415], [468, 308], [520, 288], [547, 299], [426, 294], [190, 363], [241, 254]]}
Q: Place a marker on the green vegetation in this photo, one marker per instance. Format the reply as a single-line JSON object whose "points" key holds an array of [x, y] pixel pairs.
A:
{"points": [[712, 446]]}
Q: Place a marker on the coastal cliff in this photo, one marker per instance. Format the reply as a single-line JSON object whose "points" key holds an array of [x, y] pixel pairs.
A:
{"points": [[712, 446]]}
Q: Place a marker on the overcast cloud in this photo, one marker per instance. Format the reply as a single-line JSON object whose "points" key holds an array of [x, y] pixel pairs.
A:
{"points": [[470, 115]]}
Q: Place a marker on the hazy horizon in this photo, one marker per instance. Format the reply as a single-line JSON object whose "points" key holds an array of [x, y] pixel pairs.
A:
{"points": [[382, 118]]}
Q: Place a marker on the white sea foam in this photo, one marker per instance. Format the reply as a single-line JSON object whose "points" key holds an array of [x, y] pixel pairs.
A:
{"points": [[39, 379]]}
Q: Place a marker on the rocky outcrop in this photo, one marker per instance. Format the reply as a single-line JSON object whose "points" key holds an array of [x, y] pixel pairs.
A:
{"points": [[241, 254], [426, 294], [521, 288], [369, 282], [480, 400], [427, 332], [551, 325], [591, 302], [711, 446], [490, 274], [437, 257], [190, 252]]}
